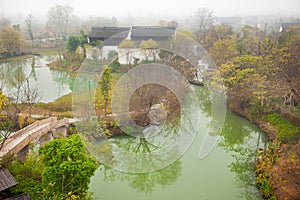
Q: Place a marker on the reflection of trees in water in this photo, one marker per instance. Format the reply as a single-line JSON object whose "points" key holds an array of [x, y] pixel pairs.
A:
{"points": [[62, 79], [234, 132], [103, 149], [203, 98], [11, 73], [145, 182], [240, 141], [33, 72]]}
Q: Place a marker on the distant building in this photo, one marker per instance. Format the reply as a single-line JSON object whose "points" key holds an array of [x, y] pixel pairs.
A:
{"points": [[228, 21], [285, 26], [113, 36]]}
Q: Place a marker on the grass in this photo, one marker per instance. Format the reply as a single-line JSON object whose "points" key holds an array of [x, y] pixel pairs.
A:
{"points": [[48, 52], [42, 52], [288, 131], [16, 58], [62, 104]]}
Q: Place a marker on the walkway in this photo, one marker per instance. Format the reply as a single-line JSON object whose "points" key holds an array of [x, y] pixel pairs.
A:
{"points": [[18, 140]]}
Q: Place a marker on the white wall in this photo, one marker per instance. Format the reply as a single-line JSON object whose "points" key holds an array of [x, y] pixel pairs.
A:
{"points": [[102, 54], [134, 53], [107, 49]]}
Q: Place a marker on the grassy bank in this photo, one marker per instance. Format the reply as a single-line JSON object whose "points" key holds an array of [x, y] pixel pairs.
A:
{"points": [[278, 166], [61, 107], [16, 58], [43, 52], [47, 52]]}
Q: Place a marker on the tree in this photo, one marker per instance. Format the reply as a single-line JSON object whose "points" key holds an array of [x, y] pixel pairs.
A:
{"points": [[223, 51], [126, 46], [17, 27], [28, 22], [4, 21], [217, 32], [149, 48], [188, 33], [105, 86], [73, 43], [172, 23], [164, 23], [203, 21], [285, 61], [4, 133], [59, 19], [245, 79], [11, 39], [112, 57], [290, 36], [21, 93], [68, 168]]}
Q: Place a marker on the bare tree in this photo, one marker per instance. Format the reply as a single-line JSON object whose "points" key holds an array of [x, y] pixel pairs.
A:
{"points": [[20, 98], [28, 22], [59, 19], [203, 21]]}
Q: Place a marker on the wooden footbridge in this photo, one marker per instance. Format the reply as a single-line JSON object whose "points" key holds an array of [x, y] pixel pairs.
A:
{"points": [[48, 128]]}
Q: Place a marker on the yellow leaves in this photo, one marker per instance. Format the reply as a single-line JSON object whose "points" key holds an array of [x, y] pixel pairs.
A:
{"points": [[51, 184], [3, 100], [187, 33], [88, 47], [71, 196], [148, 44], [126, 44], [223, 51]]}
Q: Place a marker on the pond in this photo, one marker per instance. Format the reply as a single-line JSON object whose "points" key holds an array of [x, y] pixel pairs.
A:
{"points": [[50, 84], [226, 173]]}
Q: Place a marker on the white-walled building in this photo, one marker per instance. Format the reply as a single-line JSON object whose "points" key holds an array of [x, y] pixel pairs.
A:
{"points": [[111, 38]]}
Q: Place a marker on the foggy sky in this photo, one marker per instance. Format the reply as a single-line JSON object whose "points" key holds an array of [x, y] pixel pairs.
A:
{"points": [[155, 7]]}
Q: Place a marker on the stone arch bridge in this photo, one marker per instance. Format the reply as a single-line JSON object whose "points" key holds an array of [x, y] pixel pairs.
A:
{"points": [[42, 131]]}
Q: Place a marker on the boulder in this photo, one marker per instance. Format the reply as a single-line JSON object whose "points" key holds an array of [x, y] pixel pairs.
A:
{"points": [[157, 114]]}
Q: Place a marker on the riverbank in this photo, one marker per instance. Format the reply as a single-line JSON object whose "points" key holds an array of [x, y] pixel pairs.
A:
{"points": [[60, 108], [278, 166], [44, 52]]}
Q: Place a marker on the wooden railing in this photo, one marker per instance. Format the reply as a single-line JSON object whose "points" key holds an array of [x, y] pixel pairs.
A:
{"points": [[46, 126]]}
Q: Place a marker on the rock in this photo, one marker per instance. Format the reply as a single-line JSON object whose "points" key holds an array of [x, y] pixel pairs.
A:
{"points": [[157, 114]]}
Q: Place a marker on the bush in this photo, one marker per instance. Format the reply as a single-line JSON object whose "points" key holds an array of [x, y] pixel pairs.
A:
{"points": [[28, 175], [28, 185], [31, 168]]}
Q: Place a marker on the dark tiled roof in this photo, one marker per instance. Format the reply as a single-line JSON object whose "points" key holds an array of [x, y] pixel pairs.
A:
{"points": [[6, 180], [152, 32], [113, 36], [23, 196], [116, 39], [106, 32]]}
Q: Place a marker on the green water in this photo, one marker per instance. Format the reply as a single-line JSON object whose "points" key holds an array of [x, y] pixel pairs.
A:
{"points": [[226, 173], [50, 84]]}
